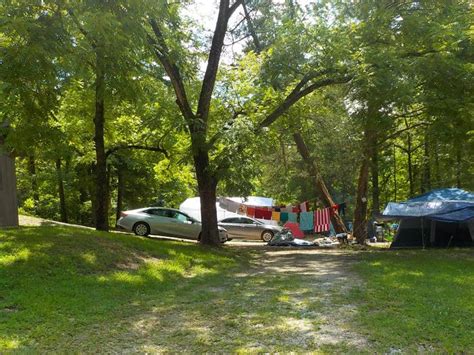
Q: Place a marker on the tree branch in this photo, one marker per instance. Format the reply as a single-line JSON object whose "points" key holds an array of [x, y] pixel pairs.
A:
{"points": [[138, 147], [208, 83], [256, 42], [162, 53], [298, 93], [81, 28]]}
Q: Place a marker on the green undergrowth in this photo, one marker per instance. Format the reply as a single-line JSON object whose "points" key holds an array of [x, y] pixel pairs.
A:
{"points": [[57, 282], [417, 300]]}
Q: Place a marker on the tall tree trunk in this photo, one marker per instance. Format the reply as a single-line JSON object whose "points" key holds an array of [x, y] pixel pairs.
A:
{"points": [[207, 185], [394, 174], [62, 196], [120, 188], [101, 183], [458, 166], [8, 198], [410, 165], [360, 212], [319, 182], [34, 180], [426, 180], [375, 177], [436, 165]]}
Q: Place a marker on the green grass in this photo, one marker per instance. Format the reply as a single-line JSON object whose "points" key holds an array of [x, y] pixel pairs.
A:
{"points": [[76, 290], [417, 300], [60, 284]]}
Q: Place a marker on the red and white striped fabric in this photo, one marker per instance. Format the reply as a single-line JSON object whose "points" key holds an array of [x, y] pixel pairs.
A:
{"points": [[322, 220]]}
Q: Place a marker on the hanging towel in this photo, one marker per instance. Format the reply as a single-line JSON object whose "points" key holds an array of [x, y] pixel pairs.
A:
{"points": [[267, 214], [259, 212], [276, 216], [284, 217], [287, 209], [295, 209], [292, 217], [304, 207], [322, 220], [250, 211], [307, 221], [243, 209]]}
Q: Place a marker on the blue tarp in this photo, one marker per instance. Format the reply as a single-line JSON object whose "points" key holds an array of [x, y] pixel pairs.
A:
{"points": [[451, 194], [448, 205]]}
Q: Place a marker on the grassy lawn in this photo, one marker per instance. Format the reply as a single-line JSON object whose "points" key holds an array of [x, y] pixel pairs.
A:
{"points": [[66, 289], [417, 300], [63, 288]]}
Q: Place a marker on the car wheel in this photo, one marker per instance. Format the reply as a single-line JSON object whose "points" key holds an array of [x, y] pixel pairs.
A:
{"points": [[267, 236], [141, 228]]}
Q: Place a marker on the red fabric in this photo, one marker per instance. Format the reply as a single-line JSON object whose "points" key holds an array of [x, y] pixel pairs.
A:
{"points": [[267, 214], [251, 211], [259, 212], [322, 220], [295, 209], [295, 229]]}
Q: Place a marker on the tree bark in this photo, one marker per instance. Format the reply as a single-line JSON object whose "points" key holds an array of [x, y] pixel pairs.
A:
{"points": [[458, 166], [426, 181], [375, 177], [34, 181], [207, 185], [62, 196], [319, 182], [394, 174], [360, 213], [120, 189], [8, 198], [101, 183], [410, 165]]}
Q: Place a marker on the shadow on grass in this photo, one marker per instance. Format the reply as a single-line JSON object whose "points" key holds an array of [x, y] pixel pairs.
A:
{"points": [[71, 289], [55, 281]]}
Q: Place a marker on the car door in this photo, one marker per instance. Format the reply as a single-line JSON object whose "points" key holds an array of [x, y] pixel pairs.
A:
{"points": [[250, 228], [234, 228], [160, 221], [184, 226]]}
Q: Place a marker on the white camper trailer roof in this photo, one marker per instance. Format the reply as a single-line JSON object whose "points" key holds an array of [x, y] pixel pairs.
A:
{"points": [[192, 206]]}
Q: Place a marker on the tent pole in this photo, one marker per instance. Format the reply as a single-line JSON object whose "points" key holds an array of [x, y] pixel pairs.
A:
{"points": [[422, 232]]}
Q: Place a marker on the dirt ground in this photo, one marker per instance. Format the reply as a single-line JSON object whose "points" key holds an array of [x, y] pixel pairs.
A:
{"points": [[327, 274]]}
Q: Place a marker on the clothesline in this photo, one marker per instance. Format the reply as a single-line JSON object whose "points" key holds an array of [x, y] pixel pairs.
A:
{"points": [[318, 220]]}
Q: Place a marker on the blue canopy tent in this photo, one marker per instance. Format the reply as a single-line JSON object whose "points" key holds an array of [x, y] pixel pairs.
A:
{"points": [[439, 218]]}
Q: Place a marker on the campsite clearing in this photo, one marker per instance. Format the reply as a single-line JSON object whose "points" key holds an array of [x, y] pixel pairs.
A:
{"points": [[68, 289]]}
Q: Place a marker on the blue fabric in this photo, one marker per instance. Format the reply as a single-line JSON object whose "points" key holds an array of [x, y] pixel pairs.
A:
{"points": [[448, 205], [307, 221], [444, 195], [292, 217], [461, 215]]}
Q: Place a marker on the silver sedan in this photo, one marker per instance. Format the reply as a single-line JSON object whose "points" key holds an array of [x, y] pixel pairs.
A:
{"points": [[249, 228], [163, 221]]}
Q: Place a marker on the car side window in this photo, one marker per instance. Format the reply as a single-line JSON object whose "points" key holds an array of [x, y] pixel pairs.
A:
{"points": [[181, 217], [245, 221], [156, 212], [231, 220]]}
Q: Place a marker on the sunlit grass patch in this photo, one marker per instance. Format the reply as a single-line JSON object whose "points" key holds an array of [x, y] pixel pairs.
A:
{"points": [[417, 300], [57, 282]]}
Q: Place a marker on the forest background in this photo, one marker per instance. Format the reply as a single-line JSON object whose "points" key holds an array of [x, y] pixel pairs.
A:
{"points": [[114, 105]]}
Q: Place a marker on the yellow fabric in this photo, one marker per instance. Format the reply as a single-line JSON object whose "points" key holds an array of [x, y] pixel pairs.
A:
{"points": [[276, 216]]}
